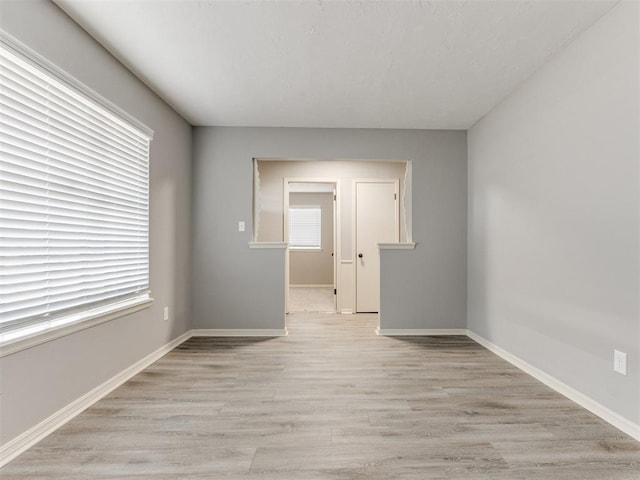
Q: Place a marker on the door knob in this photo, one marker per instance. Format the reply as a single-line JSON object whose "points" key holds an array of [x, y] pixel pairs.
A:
{"points": [[359, 255]]}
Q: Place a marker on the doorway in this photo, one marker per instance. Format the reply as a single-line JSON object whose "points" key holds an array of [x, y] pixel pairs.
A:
{"points": [[376, 221], [310, 229], [272, 176]]}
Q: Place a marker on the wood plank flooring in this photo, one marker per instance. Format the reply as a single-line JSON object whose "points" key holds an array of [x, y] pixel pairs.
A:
{"points": [[332, 401]]}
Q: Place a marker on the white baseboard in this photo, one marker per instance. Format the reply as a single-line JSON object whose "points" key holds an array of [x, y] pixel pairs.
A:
{"points": [[310, 286], [346, 311], [627, 426], [240, 332], [24, 441], [419, 332]]}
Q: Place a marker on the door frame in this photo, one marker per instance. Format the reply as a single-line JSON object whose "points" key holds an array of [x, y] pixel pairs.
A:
{"points": [[354, 223], [337, 250]]}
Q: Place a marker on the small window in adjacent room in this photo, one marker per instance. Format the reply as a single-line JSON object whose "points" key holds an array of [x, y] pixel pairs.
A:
{"points": [[304, 228], [74, 201]]}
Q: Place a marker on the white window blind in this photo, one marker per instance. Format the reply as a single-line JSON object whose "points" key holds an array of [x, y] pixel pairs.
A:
{"points": [[74, 200], [304, 227]]}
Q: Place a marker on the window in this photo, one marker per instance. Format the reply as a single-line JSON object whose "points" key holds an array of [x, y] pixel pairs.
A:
{"points": [[304, 228], [74, 200]]}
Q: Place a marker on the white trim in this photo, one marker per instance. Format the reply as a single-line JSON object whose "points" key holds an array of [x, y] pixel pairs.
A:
{"points": [[91, 318], [337, 235], [346, 262], [259, 245], [311, 286], [24, 441], [11, 43], [400, 332], [240, 332], [257, 200], [407, 188], [396, 246], [346, 311], [627, 426]]}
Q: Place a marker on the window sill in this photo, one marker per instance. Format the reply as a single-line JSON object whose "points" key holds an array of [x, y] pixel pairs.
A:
{"points": [[88, 319], [310, 250], [397, 246]]}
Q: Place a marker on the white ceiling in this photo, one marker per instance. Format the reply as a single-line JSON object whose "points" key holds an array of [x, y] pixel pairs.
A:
{"points": [[378, 64]]}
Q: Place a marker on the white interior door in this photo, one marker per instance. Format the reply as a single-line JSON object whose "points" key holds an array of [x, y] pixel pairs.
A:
{"points": [[376, 221]]}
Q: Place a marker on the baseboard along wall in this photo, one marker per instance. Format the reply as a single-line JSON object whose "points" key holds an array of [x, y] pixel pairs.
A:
{"points": [[23, 442], [627, 426], [26, 440]]}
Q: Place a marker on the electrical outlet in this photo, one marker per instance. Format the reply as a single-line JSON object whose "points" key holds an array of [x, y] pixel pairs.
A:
{"points": [[241, 226], [166, 313], [620, 362]]}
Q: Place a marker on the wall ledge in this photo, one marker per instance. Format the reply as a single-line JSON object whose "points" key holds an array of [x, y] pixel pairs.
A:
{"points": [[89, 319], [397, 246]]}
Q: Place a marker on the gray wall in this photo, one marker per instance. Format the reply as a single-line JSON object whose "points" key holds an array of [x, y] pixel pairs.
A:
{"points": [[39, 381], [553, 216], [314, 267], [424, 288]]}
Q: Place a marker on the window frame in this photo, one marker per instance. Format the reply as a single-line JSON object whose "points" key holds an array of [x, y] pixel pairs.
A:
{"points": [[299, 248], [25, 335]]}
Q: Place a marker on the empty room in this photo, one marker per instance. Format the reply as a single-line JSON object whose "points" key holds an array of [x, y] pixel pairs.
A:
{"points": [[313, 239]]}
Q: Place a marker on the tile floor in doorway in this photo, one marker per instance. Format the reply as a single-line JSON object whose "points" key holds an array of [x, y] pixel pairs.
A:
{"points": [[311, 299]]}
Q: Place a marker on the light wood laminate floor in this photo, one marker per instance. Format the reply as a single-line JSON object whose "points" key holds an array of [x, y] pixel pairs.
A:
{"points": [[332, 401]]}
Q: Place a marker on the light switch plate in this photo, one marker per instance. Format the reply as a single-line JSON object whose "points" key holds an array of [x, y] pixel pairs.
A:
{"points": [[241, 226]]}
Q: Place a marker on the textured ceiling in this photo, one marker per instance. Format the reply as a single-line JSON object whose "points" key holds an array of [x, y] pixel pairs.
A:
{"points": [[381, 64]]}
